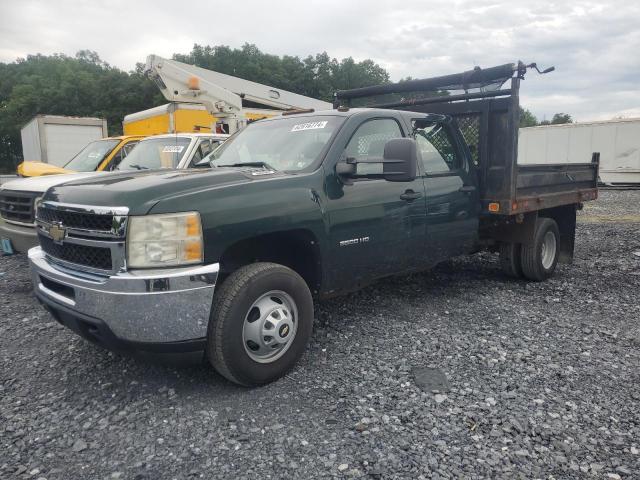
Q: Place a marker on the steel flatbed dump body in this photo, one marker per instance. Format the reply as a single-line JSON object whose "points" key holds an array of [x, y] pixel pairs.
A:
{"points": [[488, 117]]}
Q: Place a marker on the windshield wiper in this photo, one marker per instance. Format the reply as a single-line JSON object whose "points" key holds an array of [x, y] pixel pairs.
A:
{"points": [[139, 167], [249, 164]]}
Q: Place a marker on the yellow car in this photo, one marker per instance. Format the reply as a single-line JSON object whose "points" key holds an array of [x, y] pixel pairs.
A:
{"points": [[100, 155]]}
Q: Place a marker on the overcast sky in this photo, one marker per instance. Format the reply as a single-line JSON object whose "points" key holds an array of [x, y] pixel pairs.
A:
{"points": [[595, 46]]}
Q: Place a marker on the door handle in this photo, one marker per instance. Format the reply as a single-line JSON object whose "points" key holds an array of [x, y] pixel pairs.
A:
{"points": [[410, 196], [467, 189]]}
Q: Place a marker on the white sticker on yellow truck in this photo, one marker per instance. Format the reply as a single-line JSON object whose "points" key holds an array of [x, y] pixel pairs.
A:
{"points": [[309, 126]]}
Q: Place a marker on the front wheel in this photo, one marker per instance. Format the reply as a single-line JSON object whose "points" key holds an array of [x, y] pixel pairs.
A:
{"points": [[260, 324], [540, 257]]}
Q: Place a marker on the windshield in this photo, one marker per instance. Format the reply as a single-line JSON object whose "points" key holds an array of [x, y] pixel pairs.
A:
{"points": [[151, 153], [91, 156], [290, 144]]}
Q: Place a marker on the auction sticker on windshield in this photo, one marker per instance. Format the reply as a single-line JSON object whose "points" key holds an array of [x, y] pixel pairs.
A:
{"points": [[172, 149], [309, 126]]}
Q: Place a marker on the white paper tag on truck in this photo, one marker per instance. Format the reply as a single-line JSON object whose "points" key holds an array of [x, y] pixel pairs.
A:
{"points": [[309, 126]]}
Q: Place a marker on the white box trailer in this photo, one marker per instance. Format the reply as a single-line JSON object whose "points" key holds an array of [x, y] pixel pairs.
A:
{"points": [[618, 142], [56, 139]]}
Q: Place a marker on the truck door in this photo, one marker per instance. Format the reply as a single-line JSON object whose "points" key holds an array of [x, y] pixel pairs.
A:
{"points": [[451, 193], [374, 223]]}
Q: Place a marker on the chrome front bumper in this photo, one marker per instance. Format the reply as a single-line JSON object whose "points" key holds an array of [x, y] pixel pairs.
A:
{"points": [[144, 306]]}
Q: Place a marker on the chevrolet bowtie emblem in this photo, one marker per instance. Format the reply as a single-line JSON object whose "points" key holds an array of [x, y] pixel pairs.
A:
{"points": [[57, 233]]}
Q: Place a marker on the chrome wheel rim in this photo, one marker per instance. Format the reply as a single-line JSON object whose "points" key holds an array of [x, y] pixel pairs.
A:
{"points": [[270, 325], [548, 253]]}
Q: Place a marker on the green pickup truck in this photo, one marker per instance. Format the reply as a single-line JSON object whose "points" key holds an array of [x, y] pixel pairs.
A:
{"points": [[226, 260]]}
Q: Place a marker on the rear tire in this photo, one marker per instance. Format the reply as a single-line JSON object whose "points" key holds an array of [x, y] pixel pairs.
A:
{"points": [[539, 258], [510, 260], [260, 324]]}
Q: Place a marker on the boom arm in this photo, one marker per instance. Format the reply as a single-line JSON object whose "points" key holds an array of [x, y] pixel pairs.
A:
{"points": [[174, 81], [221, 94]]}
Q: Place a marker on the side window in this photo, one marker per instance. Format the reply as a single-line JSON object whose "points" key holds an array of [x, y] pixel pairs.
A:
{"points": [[121, 155], [204, 148], [368, 142], [436, 148], [127, 148]]}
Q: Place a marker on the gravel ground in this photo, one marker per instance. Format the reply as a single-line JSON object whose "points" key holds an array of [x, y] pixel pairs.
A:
{"points": [[543, 382]]}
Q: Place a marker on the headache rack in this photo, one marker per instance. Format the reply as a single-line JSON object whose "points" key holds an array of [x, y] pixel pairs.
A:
{"points": [[488, 117]]}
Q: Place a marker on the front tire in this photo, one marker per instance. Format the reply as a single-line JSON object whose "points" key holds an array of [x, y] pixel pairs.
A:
{"points": [[540, 257], [260, 323]]}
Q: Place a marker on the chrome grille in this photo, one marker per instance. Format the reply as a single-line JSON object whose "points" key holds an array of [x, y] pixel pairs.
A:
{"points": [[94, 257], [81, 221], [17, 206], [83, 237]]}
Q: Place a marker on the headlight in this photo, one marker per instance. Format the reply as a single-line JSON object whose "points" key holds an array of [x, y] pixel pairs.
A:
{"points": [[164, 240]]}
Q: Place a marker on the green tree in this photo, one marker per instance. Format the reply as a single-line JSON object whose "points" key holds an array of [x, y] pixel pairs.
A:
{"points": [[527, 119], [560, 118], [314, 76]]}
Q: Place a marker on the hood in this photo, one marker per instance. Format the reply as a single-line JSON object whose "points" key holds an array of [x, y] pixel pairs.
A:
{"points": [[140, 191], [42, 184], [37, 169]]}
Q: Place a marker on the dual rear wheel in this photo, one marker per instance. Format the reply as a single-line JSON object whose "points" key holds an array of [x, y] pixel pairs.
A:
{"points": [[537, 260]]}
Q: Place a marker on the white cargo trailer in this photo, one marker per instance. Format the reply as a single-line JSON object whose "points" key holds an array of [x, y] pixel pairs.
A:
{"points": [[56, 139], [618, 142]]}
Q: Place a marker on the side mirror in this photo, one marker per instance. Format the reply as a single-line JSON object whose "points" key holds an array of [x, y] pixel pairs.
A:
{"points": [[347, 168], [399, 162]]}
